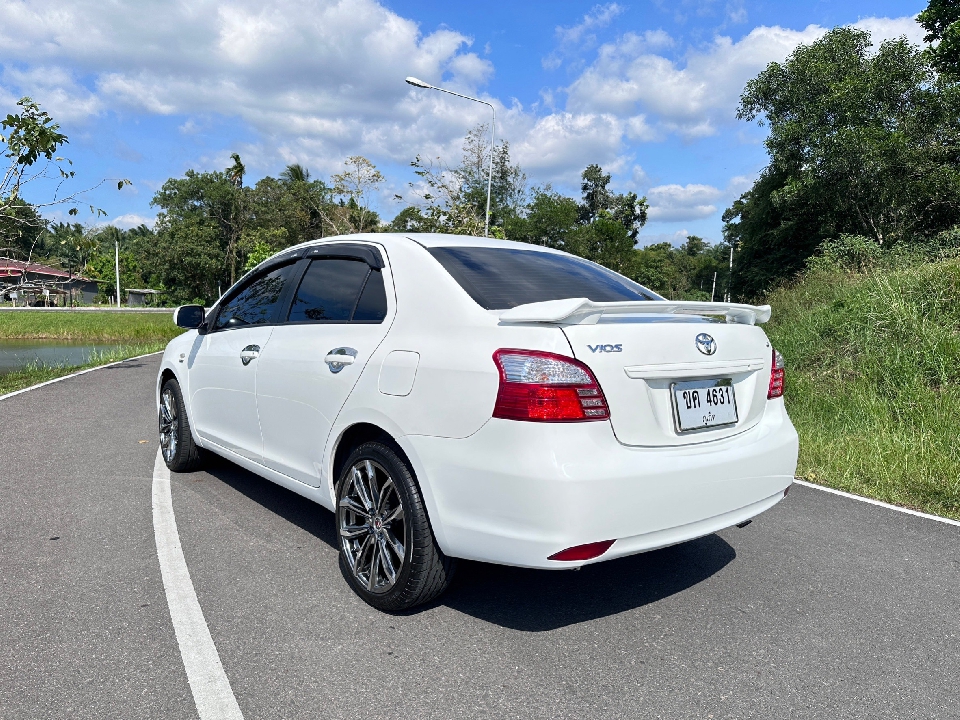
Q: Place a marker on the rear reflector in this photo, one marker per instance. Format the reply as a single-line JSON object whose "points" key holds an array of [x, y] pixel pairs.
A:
{"points": [[544, 387], [583, 552], [776, 377]]}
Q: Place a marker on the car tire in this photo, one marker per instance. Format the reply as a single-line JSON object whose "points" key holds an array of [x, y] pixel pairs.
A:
{"points": [[388, 553], [179, 451]]}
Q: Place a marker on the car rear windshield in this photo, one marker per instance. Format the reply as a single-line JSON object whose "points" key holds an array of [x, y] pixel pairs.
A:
{"points": [[502, 278]]}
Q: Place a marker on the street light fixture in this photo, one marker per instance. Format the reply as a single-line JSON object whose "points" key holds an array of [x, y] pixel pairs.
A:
{"points": [[493, 133]]}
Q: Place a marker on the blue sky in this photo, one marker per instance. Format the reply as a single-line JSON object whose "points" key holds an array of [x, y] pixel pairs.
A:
{"points": [[146, 90]]}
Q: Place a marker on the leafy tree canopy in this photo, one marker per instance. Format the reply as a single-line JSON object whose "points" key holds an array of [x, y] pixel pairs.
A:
{"points": [[860, 142]]}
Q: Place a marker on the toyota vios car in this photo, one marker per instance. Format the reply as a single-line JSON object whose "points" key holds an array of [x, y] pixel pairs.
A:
{"points": [[457, 397]]}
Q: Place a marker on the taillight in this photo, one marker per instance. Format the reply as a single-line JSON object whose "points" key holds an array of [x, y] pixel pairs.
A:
{"points": [[543, 387], [776, 377]]}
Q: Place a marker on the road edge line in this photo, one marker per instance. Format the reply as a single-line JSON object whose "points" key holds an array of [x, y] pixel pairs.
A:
{"points": [[76, 374], [208, 681], [879, 503]]}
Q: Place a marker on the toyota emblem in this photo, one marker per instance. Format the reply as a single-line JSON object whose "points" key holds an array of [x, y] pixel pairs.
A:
{"points": [[706, 344]]}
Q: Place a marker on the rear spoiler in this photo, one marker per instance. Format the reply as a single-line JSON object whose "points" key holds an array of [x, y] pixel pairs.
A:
{"points": [[580, 311]]}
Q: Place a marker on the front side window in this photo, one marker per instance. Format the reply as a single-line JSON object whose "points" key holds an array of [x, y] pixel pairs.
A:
{"points": [[502, 278], [257, 303], [339, 290]]}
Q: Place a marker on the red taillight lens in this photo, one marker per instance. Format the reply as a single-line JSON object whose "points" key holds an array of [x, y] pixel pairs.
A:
{"points": [[776, 377], [583, 552], [543, 387]]}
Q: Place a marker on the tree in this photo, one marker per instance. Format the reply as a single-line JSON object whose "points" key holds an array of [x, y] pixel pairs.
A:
{"points": [[861, 143], [596, 197], [357, 184], [548, 220], [295, 173], [32, 140], [941, 20], [205, 206]]}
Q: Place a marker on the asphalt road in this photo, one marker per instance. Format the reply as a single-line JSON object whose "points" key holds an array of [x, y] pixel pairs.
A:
{"points": [[824, 607]]}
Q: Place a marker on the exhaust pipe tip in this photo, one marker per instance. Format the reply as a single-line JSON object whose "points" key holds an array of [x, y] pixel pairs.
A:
{"points": [[744, 523]]}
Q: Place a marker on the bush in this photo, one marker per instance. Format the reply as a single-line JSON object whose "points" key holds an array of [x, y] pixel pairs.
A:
{"points": [[846, 252]]}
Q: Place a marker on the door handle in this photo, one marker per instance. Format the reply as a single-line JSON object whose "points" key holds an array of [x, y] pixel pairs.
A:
{"points": [[250, 352], [340, 357]]}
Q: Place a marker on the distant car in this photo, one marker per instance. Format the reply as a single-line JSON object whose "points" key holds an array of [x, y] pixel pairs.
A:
{"points": [[457, 397]]}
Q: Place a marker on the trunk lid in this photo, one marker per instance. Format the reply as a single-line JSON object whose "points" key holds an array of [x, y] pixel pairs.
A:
{"points": [[637, 359]]}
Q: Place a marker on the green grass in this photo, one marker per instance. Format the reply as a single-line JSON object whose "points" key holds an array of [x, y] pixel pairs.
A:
{"points": [[873, 381], [136, 328], [38, 373]]}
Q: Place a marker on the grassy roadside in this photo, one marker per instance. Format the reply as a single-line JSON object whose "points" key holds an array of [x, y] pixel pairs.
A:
{"points": [[136, 328], [135, 334], [34, 374], [873, 381]]}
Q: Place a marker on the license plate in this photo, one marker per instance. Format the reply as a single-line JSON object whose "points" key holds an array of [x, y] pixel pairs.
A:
{"points": [[704, 404]]}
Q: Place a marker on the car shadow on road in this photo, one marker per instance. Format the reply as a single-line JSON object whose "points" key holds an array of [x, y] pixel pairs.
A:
{"points": [[298, 510], [540, 600], [519, 598]]}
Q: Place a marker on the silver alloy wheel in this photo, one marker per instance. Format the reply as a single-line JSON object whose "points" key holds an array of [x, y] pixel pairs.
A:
{"points": [[371, 522], [169, 424]]}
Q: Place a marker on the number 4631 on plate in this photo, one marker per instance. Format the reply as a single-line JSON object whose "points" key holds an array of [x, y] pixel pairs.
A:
{"points": [[704, 403]]}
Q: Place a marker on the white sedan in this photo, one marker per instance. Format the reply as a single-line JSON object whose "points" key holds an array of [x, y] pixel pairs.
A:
{"points": [[457, 397]]}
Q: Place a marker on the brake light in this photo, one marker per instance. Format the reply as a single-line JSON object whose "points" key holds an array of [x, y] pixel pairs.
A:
{"points": [[776, 377], [583, 552], [544, 387]]}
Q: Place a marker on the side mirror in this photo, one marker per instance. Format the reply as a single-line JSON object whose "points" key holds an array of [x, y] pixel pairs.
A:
{"points": [[189, 316]]}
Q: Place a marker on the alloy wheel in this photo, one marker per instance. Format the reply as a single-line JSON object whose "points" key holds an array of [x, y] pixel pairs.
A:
{"points": [[372, 529], [169, 424]]}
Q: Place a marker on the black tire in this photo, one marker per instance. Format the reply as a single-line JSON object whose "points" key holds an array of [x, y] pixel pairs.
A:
{"points": [[425, 571], [180, 452]]}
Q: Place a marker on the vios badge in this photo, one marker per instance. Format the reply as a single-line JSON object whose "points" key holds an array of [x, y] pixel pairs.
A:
{"points": [[706, 344], [605, 348]]}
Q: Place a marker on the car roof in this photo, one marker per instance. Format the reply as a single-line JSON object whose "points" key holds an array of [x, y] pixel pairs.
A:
{"points": [[426, 240]]}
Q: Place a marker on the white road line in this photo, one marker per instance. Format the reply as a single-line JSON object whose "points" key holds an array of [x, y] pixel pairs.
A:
{"points": [[73, 375], [208, 681], [869, 501]]}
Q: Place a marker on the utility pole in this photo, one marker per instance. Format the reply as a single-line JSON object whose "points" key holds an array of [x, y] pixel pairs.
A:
{"points": [[730, 276], [117, 266], [714, 288]]}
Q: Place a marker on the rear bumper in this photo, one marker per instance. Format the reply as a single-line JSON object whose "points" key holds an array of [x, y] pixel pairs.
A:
{"points": [[515, 492]]}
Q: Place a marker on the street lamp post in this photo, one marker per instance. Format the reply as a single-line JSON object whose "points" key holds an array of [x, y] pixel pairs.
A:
{"points": [[493, 134]]}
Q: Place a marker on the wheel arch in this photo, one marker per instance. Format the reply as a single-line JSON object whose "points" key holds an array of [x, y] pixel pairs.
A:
{"points": [[354, 436], [364, 430]]}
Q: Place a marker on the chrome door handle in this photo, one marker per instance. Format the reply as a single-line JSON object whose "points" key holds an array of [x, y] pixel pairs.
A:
{"points": [[250, 352], [340, 357]]}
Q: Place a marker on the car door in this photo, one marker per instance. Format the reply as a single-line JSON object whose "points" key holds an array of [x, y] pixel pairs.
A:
{"points": [[223, 374], [338, 316]]}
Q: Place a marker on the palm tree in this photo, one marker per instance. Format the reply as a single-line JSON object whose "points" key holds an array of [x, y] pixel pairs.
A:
{"points": [[295, 173]]}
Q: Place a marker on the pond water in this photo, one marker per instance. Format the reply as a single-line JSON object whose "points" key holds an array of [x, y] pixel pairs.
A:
{"points": [[17, 354]]}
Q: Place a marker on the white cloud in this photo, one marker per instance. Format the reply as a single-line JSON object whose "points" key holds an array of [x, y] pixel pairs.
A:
{"points": [[63, 96], [317, 80], [325, 75], [675, 238], [599, 17], [881, 29], [131, 220], [694, 97], [682, 202]]}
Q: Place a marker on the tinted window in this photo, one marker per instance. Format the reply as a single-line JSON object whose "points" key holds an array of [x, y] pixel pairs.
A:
{"points": [[329, 291], [372, 307], [502, 278], [257, 303]]}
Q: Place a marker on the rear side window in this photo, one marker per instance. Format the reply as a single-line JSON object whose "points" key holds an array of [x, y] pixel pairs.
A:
{"points": [[339, 290], [255, 304], [502, 278]]}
